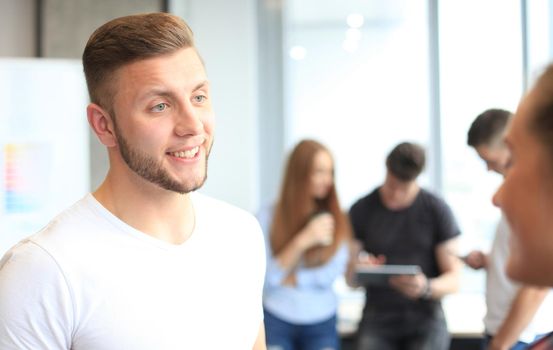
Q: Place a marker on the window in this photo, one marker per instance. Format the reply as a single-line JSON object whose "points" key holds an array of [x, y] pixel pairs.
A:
{"points": [[480, 68], [357, 78]]}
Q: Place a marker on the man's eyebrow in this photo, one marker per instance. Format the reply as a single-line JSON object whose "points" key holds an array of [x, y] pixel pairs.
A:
{"points": [[166, 93], [157, 92], [204, 83]]}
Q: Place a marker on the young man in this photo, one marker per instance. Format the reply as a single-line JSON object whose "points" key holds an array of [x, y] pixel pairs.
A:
{"points": [[516, 314], [141, 263], [400, 223]]}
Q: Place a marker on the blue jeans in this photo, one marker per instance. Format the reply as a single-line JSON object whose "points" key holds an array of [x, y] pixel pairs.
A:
{"points": [[405, 330], [517, 346], [282, 335]]}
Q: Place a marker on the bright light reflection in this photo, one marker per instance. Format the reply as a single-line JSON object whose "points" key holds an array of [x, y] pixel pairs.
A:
{"points": [[298, 53], [353, 34], [355, 20], [350, 46]]}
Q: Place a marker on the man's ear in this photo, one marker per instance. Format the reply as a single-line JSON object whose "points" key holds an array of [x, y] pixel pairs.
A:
{"points": [[102, 124]]}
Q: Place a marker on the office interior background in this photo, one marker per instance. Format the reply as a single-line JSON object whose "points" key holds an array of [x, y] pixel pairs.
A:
{"points": [[358, 75]]}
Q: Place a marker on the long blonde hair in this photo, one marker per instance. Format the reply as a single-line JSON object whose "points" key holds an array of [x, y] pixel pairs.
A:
{"points": [[296, 205]]}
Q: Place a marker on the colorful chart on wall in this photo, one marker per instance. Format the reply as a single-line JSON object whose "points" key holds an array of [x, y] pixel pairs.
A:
{"points": [[44, 155]]}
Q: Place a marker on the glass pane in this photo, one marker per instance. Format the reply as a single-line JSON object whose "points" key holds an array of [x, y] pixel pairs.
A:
{"points": [[481, 68], [538, 36], [358, 87]]}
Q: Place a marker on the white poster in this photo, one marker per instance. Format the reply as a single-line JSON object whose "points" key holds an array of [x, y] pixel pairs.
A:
{"points": [[44, 155]]}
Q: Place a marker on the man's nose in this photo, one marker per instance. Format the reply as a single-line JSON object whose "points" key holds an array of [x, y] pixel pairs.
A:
{"points": [[188, 121], [496, 198]]}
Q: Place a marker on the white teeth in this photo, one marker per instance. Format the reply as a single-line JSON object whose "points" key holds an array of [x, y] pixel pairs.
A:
{"points": [[186, 154]]}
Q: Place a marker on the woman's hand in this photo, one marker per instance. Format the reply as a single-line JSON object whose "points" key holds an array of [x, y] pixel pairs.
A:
{"points": [[318, 231]]}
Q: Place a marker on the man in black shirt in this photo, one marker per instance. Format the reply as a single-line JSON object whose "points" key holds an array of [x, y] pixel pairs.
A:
{"points": [[400, 223]]}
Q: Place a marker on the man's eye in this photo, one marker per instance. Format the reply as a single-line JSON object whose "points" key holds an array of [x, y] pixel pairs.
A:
{"points": [[200, 98], [160, 107]]}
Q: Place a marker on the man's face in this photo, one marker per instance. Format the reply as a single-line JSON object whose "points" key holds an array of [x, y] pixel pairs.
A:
{"points": [[495, 155], [164, 120], [397, 194], [526, 198]]}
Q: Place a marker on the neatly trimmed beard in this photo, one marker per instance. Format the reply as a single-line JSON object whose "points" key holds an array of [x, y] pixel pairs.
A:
{"points": [[151, 170]]}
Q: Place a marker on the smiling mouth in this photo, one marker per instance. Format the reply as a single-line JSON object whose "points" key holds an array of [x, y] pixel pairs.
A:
{"points": [[189, 154]]}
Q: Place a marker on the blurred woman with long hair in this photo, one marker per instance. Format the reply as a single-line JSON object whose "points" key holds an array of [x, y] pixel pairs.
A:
{"points": [[307, 238]]}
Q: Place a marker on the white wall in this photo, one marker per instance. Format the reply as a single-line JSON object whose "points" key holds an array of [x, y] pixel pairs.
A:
{"points": [[225, 34], [17, 38]]}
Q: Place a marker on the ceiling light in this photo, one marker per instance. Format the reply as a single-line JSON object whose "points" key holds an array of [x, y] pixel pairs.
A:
{"points": [[355, 20], [298, 52]]}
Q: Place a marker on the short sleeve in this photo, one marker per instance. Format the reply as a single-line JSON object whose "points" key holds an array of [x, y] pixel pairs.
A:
{"points": [[35, 304], [355, 217], [447, 227]]}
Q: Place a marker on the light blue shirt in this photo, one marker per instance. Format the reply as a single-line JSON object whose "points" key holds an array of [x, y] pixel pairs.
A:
{"points": [[313, 299]]}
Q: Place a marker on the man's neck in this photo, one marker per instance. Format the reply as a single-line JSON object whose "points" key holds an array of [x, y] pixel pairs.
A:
{"points": [[162, 214], [402, 203]]}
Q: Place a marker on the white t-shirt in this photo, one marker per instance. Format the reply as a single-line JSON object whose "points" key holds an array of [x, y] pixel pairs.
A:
{"points": [[88, 281], [500, 291]]}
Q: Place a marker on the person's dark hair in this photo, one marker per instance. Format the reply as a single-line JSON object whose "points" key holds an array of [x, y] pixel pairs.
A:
{"points": [[125, 40], [488, 126], [542, 124], [406, 161]]}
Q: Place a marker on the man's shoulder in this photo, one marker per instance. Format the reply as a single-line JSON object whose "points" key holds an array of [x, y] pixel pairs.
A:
{"points": [[72, 215], [367, 200], [24, 252], [43, 253], [70, 233], [219, 212], [429, 194], [232, 227], [432, 199], [206, 202], [77, 218]]}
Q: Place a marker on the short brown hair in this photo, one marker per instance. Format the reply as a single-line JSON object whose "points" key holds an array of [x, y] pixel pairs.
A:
{"points": [[128, 39], [406, 161], [488, 126]]}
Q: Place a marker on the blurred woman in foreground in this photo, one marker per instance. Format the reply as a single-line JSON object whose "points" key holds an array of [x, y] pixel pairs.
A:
{"points": [[526, 195]]}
